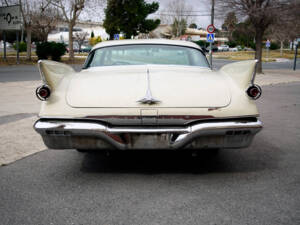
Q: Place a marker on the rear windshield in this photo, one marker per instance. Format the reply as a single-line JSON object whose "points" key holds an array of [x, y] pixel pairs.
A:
{"points": [[146, 54]]}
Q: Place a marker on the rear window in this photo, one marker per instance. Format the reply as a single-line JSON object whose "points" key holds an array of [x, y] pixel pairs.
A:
{"points": [[146, 54]]}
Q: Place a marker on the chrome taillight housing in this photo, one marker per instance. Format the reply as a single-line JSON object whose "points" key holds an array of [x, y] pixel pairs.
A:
{"points": [[43, 92], [254, 91]]}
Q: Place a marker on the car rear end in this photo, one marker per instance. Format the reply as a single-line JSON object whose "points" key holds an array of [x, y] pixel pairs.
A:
{"points": [[148, 107]]}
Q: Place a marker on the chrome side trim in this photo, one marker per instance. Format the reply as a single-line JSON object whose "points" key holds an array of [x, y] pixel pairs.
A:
{"points": [[39, 63], [179, 137], [254, 73]]}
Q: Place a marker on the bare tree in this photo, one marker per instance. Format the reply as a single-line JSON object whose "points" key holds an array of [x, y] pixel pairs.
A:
{"points": [[287, 26], [71, 9], [230, 23], [261, 13], [31, 10], [44, 21], [178, 13], [80, 37]]}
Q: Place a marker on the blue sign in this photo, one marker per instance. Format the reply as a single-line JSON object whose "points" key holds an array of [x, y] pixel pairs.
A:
{"points": [[268, 44], [210, 38], [116, 36]]}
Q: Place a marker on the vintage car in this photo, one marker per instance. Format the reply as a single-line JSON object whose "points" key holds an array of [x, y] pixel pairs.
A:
{"points": [[147, 94]]}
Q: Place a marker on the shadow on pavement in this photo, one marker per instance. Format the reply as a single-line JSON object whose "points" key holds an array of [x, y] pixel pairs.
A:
{"points": [[157, 161]]}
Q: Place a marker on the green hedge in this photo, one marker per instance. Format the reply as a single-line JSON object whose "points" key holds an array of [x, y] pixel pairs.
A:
{"points": [[54, 50], [274, 46], [22, 46], [202, 44]]}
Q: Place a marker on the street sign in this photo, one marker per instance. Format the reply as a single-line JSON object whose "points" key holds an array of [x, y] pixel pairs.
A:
{"points": [[10, 18], [116, 36], [268, 44], [211, 28], [210, 38]]}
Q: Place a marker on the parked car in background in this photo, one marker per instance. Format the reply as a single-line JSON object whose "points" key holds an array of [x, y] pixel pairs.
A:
{"points": [[147, 94], [248, 49], [8, 45], [223, 48], [214, 48], [239, 48], [86, 48]]}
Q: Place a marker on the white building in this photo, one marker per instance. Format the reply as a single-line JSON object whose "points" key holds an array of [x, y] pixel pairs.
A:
{"points": [[61, 33]]}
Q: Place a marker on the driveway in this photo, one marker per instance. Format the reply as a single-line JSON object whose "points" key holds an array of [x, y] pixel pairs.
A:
{"points": [[257, 185]]}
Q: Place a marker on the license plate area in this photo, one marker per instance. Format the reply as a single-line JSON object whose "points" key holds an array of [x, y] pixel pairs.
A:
{"points": [[149, 141]]}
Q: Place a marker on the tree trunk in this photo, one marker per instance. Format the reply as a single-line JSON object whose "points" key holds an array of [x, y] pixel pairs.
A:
{"points": [[281, 48], [28, 37], [258, 45], [71, 51]]}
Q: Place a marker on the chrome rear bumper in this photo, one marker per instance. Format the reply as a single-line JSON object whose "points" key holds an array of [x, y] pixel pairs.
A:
{"points": [[64, 134]]}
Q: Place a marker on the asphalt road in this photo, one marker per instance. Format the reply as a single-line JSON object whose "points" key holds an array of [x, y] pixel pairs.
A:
{"points": [[218, 63], [29, 72], [257, 185], [23, 73]]}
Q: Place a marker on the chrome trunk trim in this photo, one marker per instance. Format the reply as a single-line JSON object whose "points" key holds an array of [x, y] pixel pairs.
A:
{"points": [[148, 98]]}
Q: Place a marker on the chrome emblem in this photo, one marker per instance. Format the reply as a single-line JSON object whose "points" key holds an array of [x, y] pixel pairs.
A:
{"points": [[148, 99]]}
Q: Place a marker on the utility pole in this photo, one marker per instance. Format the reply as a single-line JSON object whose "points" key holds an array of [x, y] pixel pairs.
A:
{"points": [[211, 22], [296, 53]]}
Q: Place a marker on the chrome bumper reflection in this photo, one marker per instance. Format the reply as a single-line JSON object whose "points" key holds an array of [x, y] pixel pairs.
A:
{"points": [[93, 135]]}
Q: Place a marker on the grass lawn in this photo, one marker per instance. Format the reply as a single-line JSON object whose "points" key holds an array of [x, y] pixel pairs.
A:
{"points": [[246, 55], [11, 60], [240, 55]]}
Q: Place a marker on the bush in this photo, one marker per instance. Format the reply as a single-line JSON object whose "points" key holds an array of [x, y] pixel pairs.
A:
{"points": [[54, 50], [43, 50], [57, 50], [231, 44], [22, 46], [94, 40], [252, 45], [274, 46], [202, 44]]}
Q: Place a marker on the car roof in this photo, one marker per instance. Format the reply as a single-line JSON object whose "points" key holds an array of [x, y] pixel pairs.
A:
{"points": [[146, 41]]}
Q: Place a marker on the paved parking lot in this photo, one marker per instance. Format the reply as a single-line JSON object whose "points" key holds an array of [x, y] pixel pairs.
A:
{"points": [[257, 185]]}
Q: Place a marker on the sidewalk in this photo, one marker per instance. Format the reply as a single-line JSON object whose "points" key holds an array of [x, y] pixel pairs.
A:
{"points": [[271, 77], [19, 109]]}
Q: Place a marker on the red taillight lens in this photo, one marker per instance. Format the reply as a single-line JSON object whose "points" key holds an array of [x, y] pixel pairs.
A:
{"points": [[254, 91], [43, 92]]}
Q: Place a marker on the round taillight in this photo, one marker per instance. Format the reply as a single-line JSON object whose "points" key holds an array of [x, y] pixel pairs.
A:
{"points": [[43, 92], [254, 91]]}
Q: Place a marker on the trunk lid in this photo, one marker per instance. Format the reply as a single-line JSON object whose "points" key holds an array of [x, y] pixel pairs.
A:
{"points": [[124, 86]]}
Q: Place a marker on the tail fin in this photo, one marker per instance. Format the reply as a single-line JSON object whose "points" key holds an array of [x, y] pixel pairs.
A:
{"points": [[243, 72], [53, 72]]}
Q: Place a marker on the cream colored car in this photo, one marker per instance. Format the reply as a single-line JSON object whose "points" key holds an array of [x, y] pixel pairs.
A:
{"points": [[147, 94]]}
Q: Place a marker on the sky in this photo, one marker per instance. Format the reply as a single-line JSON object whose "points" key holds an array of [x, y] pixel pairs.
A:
{"points": [[200, 11], [199, 7]]}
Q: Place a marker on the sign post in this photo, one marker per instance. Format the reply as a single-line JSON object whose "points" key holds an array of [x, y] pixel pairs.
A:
{"points": [[268, 45], [10, 19], [116, 37], [17, 45], [210, 38], [296, 53], [4, 45], [211, 29]]}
